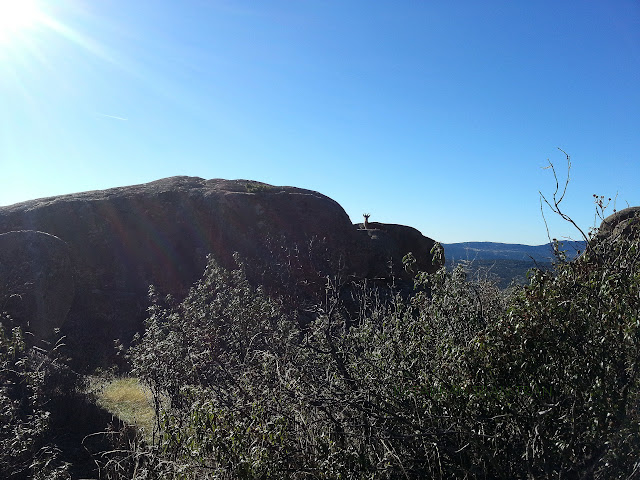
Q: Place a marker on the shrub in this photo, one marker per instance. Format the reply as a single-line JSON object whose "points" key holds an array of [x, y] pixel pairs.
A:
{"points": [[457, 380], [29, 381]]}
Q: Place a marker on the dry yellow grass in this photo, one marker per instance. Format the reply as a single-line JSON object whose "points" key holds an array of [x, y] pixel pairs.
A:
{"points": [[128, 400]]}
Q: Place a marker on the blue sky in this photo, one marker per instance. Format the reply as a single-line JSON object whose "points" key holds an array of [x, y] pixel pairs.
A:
{"points": [[438, 115]]}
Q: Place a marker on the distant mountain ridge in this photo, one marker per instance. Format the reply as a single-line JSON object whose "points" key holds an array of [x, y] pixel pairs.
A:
{"points": [[504, 263], [470, 251]]}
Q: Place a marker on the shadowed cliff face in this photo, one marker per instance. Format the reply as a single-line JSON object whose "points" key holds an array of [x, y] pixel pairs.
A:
{"points": [[385, 245], [36, 280], [122, 240]]}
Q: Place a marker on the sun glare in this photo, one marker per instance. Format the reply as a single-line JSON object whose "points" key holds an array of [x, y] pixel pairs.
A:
{"points": [[16, 16]]}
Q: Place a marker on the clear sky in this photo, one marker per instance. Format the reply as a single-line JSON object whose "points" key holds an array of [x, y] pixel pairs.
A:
{"points": [[434, 114]]}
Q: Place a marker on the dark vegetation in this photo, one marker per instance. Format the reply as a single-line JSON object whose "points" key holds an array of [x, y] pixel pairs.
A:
{"points": [[457, 379], [45, 415], [23, 416]]}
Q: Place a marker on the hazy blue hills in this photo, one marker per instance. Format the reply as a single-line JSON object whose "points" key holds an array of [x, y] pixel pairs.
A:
{"points": [[469, 251], [504, 263]]}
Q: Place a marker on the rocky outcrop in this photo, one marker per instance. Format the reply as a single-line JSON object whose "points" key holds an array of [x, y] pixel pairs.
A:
{"points": [[36, 281], [122, 240], [386, 245], [625, 222]]}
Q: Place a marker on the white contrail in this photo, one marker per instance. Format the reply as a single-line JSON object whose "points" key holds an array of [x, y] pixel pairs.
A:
{"points": [[113, 116]]}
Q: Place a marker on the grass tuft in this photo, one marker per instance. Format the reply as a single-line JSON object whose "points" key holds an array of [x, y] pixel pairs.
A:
{"points": [[130, 401]]}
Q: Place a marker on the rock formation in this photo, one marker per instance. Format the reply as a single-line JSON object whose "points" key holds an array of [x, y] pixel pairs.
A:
{"points": [[36, 280], [625, 222], [387, 243], [122, 240]]}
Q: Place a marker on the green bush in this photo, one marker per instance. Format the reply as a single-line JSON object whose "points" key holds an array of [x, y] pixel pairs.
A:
{"points": [[460, 380], [29, 382]]}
